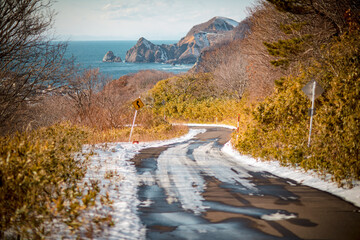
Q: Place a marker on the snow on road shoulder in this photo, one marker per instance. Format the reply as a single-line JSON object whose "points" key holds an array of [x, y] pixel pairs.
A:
{"points": [[113, 159], [133, 149], [118, 178], [308, 178], [111, 166]]}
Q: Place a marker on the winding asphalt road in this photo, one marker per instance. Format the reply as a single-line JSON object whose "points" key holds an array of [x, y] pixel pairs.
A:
{"points": [[191, 190]]}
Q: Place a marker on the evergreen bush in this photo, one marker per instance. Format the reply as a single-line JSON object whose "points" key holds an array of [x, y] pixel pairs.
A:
{"points": [[41, 186]]}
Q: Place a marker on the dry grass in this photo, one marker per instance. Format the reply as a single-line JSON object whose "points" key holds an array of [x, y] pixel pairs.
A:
{"points": [[140, 134]]}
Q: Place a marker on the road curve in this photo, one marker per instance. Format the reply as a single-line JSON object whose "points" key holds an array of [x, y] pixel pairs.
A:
{"points": [[192, 190]]}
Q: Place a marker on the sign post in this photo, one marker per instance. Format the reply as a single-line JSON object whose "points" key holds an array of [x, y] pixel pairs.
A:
{"points": [[238, 127], [137, 105], [312, 90], [312, 111]]}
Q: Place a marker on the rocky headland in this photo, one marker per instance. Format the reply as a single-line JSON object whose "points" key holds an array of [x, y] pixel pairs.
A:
{"points": [[189, 48], [146, 51]]}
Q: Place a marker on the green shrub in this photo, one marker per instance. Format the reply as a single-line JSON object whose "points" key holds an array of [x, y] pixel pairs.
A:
{"points": [[336, 143], [278, 129], [279, 125], [192, 98], [40, 175]]}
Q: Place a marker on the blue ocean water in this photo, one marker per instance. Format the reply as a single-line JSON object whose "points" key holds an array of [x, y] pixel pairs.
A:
{"points": [[89, 54]]}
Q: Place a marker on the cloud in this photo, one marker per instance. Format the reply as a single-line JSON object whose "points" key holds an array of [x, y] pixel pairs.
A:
{"points": [[107, 7], [130, 19], [150, 9]]}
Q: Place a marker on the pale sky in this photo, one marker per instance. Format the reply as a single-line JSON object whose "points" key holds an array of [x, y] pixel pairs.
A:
{"points": [[132, 19]]}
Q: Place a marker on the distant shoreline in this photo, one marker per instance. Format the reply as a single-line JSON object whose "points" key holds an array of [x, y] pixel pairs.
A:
{"points": [[89, 54]]}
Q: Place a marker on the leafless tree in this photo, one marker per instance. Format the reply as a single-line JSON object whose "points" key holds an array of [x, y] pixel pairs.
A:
{"points": [[268, 25], [31, 64], [265, 20], [231, 76], [84, 89], [212, 56], [102, 103], [329, 11]]}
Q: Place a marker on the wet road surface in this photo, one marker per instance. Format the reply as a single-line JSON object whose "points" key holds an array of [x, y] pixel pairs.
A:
{"points": [[192, 190]]}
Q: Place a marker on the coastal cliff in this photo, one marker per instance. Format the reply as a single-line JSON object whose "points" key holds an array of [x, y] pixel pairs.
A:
{"points": [[146, 51], [189, 48]]}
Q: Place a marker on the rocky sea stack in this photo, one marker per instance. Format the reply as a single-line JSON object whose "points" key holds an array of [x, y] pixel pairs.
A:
{"points": [[110, 57]]}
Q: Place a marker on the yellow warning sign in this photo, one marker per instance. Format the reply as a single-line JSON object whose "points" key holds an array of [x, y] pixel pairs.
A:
{"points": [[138, 104]]}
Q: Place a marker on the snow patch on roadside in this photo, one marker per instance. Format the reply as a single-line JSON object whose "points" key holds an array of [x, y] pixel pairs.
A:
{"points": [[115, 157], [112, 159], [130, 150], [308, 178], [122, 190]]}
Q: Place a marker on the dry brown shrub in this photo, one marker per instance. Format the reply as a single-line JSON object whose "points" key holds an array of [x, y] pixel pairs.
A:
{"points": [[90, 100]]}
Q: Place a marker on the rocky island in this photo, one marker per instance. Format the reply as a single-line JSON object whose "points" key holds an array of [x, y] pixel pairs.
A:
{"points": [[110, 57]]}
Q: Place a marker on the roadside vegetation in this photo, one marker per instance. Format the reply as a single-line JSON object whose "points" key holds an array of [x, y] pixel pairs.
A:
{"points": [[260, 78], [314, 41], [192, 98], [42, 190], [49, 108]]}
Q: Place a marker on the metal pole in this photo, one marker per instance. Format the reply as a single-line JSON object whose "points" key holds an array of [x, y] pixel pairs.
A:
{"points": [[132, 127], [238, 128], [312, 111]]}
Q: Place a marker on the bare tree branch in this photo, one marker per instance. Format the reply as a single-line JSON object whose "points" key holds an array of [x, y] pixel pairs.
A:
{"points": [[31, 64]]}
